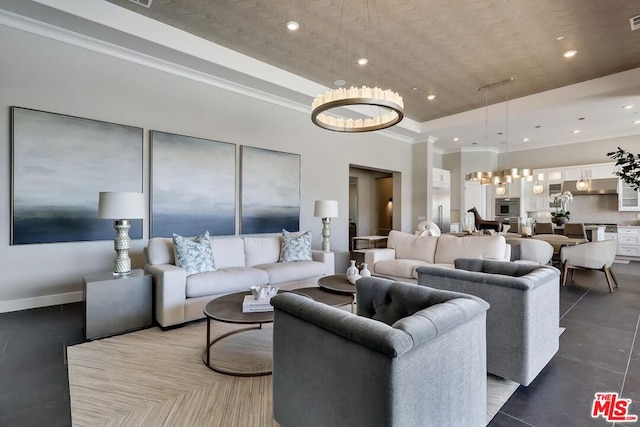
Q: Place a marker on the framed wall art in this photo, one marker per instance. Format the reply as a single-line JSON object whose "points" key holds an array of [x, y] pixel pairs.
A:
{"points": [[59, 165], [270, 198], [193, 186]]}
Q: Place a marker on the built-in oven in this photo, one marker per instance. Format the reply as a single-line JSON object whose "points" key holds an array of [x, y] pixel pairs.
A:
{"points": [[507, 207]]}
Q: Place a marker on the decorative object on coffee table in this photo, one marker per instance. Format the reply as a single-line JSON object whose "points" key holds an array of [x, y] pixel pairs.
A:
{"points": [[352, 268], [121, 207], [326, 209]]}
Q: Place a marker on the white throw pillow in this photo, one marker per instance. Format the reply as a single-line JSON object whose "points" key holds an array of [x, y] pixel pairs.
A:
{"points": [[296, 247], [194, 254]]}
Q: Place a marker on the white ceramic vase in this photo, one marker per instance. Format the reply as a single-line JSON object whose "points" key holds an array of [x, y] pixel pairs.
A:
{"points": [[352, 269], [365, 271]]}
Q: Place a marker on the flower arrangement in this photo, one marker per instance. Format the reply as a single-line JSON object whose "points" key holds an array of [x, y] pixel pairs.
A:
{"points": [[560, 201]]}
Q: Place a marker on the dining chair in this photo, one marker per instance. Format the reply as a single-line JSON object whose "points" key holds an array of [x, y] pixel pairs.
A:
{"points": [[575, 230], [543, 228], [594, 256]]}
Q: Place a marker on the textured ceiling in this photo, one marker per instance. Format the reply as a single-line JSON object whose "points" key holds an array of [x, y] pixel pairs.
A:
{"points": [[420, 47]]}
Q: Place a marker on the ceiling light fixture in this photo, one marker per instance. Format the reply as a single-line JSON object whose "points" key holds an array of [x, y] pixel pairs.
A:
{"points": [[431, 97], [636, 122], [363, 61], [575, 131], [388, 106], [628, 107], [292, 25], [538, 188], [570, 53]]}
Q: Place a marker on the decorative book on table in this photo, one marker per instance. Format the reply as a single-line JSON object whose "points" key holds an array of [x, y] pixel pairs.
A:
{"points": [[250, 304]]}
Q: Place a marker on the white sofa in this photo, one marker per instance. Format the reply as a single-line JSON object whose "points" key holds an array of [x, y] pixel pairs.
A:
{"points": [[406, 252], [240, 261]]}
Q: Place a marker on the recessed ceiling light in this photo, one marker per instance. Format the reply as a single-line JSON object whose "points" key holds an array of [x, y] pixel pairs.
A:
{"points": [[575, 131], [363, 61], [560, 38], [414, 88], [538, 126], [340, 82], [636, 122], [525, 139], [458, 139], [474, 143], [628, 107], [570, 53], [580, 118], [292, 25], [431, 97]]}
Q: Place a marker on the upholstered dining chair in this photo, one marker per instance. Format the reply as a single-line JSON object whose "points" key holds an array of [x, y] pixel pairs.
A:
{"points": [[543, 228], [413, 356], [575, 230], [593, 255]]}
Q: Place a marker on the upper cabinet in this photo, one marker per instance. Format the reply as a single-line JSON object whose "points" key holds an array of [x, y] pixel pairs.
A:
{"points": [[628, 198], [441, 178]]}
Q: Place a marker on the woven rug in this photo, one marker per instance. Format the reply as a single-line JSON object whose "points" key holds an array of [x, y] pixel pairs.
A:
{"points": [[156, 378]]}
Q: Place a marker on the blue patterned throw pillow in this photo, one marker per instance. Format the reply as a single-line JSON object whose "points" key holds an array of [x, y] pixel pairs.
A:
{"points": [[194, 254], [296, 246]]}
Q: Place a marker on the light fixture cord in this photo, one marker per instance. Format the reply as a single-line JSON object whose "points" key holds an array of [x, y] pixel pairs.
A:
{"points": [[486, 129]]}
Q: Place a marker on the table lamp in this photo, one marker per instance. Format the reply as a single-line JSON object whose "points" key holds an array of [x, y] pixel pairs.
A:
{"points": [[121, 207], [326, 209]]}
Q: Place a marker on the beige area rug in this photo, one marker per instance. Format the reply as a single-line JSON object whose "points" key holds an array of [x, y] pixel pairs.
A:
{"points": [[156, 378]]}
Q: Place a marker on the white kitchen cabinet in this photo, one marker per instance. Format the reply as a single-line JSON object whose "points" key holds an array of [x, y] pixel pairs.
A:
{"points": [[603, 171], [628, 198], [629, 240], [441, 178]]}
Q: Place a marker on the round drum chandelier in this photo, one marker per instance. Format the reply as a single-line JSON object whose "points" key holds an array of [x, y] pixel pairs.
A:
{"points": [[389, 106]]}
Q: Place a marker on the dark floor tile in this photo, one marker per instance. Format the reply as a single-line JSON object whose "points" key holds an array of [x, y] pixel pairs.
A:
{"points": [[51, 414], [562, 394], [19, 392], [618, 310], [631, 388], [596, 345], [569, 295], [504, 420], [23, 353]]}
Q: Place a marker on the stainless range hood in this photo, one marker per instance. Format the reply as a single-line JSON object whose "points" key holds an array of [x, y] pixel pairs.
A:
{"points": [[596, 187]]}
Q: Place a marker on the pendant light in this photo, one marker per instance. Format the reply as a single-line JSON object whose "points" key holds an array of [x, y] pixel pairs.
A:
{"points": [[538, 188], [582, 184]]}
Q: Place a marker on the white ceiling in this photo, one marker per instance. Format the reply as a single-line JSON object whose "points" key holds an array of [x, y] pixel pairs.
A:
{"points": [[449, 48]]}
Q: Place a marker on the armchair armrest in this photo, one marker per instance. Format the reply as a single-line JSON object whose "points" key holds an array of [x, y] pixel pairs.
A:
{"points": [[328, 258], [170, 284]]}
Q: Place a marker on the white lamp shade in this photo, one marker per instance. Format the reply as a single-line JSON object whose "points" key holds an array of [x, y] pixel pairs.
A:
{"points": [[326, 209], [120, 205]]}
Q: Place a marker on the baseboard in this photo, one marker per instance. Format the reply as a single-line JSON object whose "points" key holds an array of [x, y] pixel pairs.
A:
{"points": [[43, 301]]}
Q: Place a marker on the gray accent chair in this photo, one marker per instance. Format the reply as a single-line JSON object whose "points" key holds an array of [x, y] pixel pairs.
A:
{"points": [[412, 356], [524, 319]]}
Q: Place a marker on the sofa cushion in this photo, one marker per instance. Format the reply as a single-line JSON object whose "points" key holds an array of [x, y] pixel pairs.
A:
{"points": [[412, 247], [296, 247], [194, 254], [261, 250], [160, 251], [280, 272], [399, 267], [452, 247], [224, 280], [228, 251]]}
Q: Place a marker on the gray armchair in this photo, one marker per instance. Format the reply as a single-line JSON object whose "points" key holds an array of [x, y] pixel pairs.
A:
{"points": [[523, 321], [413, 356]]}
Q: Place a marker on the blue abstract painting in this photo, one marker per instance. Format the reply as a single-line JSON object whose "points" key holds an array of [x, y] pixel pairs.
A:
{"points": [[193, 186], [59, 165], [270, 191]]}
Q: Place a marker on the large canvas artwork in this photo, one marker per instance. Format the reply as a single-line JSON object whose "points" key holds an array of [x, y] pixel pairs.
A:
{"points": [[59, 165], [194, 186], [270, 191]]}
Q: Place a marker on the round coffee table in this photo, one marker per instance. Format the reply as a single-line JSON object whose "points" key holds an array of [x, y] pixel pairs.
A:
{"points": [[333, 299], [337, 283], [228, 309]]}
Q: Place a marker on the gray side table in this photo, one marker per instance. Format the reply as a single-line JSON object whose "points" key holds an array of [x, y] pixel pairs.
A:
{"points": [[114, 305]]}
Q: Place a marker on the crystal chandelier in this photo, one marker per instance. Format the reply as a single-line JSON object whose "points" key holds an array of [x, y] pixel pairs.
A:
{"points": [[390, 111], [381, 108]]}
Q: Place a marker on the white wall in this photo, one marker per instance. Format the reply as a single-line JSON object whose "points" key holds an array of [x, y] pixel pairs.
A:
{"points": [[48, 75]]}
